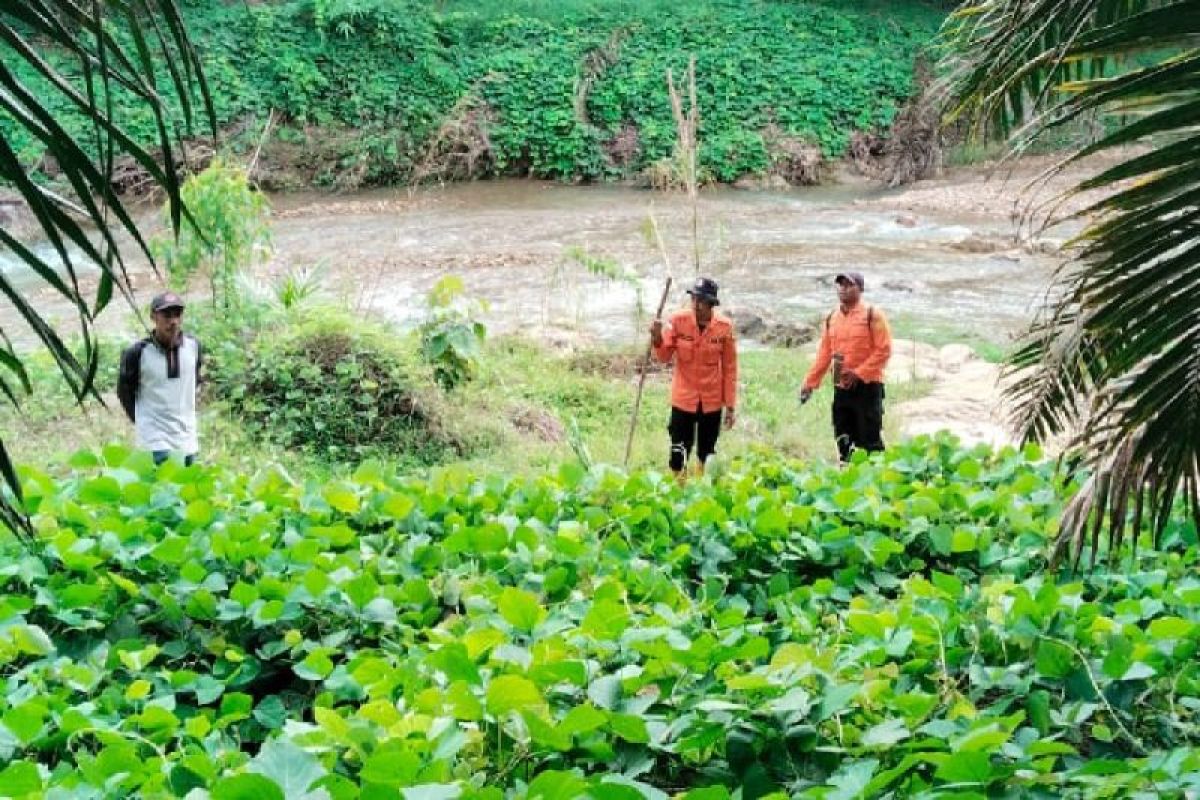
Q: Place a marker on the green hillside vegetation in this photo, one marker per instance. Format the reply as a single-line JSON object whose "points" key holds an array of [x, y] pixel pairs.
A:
{"points": [[386, 91]]}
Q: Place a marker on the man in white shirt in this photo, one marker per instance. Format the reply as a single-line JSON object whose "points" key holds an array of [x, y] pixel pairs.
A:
{"points": [[158, 382]]}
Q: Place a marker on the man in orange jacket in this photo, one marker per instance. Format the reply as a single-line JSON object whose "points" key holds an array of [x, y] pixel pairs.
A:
{"points": [[701, 342], [857, 341]]}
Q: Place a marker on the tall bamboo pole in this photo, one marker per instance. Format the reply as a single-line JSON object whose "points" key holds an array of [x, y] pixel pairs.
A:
{"points": [[662, 303]]}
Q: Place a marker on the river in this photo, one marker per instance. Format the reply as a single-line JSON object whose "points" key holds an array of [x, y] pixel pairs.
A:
{"points": [[511, 242]]}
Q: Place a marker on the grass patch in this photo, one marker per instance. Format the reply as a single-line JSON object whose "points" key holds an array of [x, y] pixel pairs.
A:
{"points": [[595, 391], [991, 346], [519, 415]]}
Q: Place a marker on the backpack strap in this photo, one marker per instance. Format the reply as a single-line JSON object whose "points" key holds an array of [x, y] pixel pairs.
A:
{"points": [[199, 358], [870, 318], [130, 376]]}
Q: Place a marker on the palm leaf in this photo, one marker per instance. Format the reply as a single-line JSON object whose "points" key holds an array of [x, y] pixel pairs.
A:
{"points": [[1113, 363], [115, 45]]}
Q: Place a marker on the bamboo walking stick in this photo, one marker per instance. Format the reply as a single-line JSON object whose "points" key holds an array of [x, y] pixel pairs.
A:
{"points": [[637, 401]]}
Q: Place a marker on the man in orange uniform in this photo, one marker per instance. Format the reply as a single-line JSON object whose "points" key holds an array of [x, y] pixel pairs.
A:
{"points": [[856, 339], [705, 383]]}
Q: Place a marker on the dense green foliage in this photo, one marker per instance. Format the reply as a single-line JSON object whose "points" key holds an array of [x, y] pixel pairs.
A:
{"points": [[565, 90], [328, 384], [782, 628]]}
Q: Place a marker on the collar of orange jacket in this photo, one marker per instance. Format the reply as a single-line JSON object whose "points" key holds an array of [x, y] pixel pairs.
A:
{"points": [[690, 314]]}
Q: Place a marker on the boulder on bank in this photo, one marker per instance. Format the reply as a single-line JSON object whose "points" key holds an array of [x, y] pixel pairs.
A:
{"points": [[979, 244], [953, 357], [912, 360], [775, 333], [537, 422]]}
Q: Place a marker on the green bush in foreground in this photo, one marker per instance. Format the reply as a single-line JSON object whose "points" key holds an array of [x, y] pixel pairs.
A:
{"points": [[783, 629], [328, 384]]}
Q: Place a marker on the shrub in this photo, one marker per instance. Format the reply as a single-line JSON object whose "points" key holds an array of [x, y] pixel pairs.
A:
{"points": [[340, 388]]}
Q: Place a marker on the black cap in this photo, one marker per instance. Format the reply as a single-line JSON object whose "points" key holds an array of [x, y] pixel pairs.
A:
{"points": [[706, 290], [162, 302], [853, 277]]}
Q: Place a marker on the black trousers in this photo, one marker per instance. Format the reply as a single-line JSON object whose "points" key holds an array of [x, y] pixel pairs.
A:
{"points": [[858, 419], [686, 427]]}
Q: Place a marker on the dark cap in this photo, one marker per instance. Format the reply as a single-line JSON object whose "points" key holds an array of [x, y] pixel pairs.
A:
{"points": [[852, 277], [162, 302], [705, 289]]}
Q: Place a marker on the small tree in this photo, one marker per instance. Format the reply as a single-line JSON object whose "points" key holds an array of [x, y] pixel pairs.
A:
{"points": [[230, 232], [1113, 361], [450, 336]]}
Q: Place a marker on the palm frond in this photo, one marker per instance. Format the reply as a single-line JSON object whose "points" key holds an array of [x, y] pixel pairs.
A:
{"points": [[1005, 58], [1113, 364], [141, 48]]}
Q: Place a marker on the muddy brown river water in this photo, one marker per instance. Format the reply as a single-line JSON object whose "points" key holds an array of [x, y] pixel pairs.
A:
{"points": [[511, 243]]}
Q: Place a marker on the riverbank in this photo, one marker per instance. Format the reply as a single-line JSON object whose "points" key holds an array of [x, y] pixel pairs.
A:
{"points": [[1031, 194], [530, 407], [946, 272]]}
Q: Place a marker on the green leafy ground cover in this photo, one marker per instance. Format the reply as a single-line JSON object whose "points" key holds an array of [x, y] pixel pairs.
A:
{"points": [[886, 630], [567, 90]]}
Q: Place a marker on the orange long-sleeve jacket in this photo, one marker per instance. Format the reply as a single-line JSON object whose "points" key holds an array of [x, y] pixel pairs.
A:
{"points": [[863, 338], [705, 362]]}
